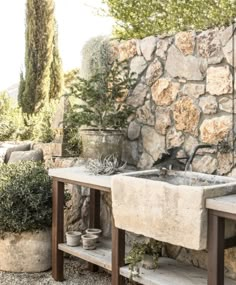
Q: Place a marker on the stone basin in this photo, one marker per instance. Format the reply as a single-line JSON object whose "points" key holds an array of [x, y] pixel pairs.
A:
{"points": [[167, 205]]}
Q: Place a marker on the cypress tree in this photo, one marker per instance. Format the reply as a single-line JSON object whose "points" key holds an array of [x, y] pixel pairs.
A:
{"points": [[56, 73], [21, 89], [39, 55]]}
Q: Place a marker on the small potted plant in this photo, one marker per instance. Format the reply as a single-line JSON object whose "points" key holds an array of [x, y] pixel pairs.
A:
{"points": [[146, 253], [25, 217], [101, 113]]}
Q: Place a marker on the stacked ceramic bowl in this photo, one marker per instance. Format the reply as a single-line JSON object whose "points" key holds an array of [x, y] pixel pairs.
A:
{"points": [[91, 238]]}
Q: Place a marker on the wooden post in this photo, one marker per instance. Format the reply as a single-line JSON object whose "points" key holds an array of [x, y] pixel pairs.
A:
{"points": [[118, 254], [94, 221], [57, 230], [216, 229]]}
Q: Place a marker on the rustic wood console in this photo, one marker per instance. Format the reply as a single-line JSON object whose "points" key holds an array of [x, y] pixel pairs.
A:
{"points": [[110, 254]]}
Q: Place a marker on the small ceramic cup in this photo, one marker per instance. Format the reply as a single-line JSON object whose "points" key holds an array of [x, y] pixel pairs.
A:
{"points": [[89, 241], [96, 232], [73, 238]]}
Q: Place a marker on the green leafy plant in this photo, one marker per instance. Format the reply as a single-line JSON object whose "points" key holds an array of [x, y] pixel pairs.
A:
{"points": [[139, 249], [139, 19], [25, 197], [101, 99]]}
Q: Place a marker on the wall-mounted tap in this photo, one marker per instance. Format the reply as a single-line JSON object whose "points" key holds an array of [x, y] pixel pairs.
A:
{"points": [[190, 160]]}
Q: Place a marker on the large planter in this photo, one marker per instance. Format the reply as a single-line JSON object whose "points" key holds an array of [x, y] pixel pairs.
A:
{"points": [[26, 252], [97, 143]]}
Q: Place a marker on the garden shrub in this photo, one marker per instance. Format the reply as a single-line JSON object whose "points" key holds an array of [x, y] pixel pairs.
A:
{"points": [[15, 125], [12, 120], [25, 197], [142, 18], [40, 123]]}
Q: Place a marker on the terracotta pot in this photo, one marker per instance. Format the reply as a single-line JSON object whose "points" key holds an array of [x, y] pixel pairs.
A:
{"points": [[89, 241], [96, 232], [73, 238], [97, 143]]}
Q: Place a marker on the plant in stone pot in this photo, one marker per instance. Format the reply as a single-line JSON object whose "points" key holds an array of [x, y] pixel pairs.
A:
{"points": [[25, 217], [146, 253], [101, 112]]}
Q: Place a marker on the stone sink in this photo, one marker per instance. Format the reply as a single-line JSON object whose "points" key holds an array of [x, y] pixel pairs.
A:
{"points": [[167, 205]]}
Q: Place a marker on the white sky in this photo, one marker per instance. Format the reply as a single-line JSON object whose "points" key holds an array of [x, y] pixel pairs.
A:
{"points": [[77, 22]]}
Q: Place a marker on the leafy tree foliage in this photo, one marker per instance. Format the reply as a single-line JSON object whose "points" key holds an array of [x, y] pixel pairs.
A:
{"points": [[70, 76], [141, 18], [43, 75]]}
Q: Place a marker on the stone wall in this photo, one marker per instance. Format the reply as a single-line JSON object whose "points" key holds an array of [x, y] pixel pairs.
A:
{"points": [[183, 97]]}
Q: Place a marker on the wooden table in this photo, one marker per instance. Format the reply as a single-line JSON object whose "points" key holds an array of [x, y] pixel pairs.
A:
{"points": [[107, 254], [220, 208]]}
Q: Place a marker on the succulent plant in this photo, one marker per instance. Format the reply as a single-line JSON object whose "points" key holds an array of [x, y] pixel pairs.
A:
{"points": [[105, 166]]}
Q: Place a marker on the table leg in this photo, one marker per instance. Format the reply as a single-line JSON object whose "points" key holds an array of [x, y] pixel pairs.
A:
{"points": [[216, 229], [118, 254], [57, 230], [94, 221]]}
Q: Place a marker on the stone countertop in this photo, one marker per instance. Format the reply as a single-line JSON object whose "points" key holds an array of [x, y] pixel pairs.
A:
{"points": [[82, 176], [224, 204]]}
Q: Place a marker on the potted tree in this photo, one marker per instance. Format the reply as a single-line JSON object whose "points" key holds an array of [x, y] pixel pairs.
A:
{"points": [[100, 111], [25, 217], [144, 253]]}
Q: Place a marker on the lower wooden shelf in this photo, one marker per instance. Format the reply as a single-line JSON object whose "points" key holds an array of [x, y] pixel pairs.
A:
{"points": [[171, 272], [101, 256]]}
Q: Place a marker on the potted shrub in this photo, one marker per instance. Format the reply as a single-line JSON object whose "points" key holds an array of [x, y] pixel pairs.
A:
{"points": [[146, 253], [25, 217], [100, 111]]}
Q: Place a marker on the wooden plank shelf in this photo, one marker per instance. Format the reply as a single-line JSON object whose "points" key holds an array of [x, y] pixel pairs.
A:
{"points": [[171, 272], [101, 256]]}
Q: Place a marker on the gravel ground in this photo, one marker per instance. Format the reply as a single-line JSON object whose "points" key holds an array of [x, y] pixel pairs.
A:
{"points": [[75, 273]]}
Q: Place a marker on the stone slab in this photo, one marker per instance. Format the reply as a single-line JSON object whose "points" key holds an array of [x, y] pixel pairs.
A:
{"points": [[224, 204], [175, 214], [171, 272], [83, 177]]}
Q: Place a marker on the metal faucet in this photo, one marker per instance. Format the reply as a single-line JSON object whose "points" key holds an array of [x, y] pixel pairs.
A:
{"points": [[190, 160]]}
